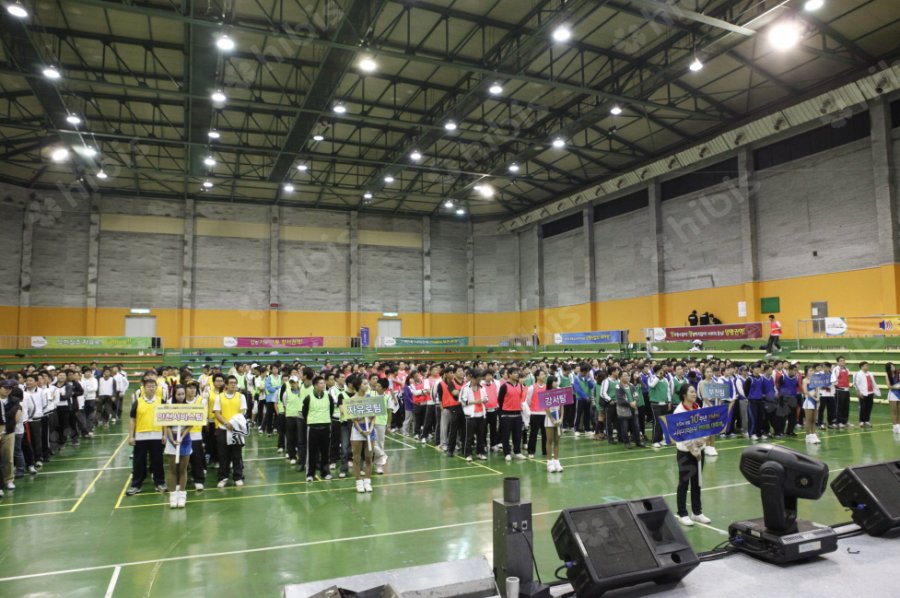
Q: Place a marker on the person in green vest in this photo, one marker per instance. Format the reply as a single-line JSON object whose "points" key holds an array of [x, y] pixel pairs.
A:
{"points": [[660, 400], [528, 378], [599, 407], [306, 388], [627, 411], [608, 390], [316, 412], [293, 403], [380, 388]]}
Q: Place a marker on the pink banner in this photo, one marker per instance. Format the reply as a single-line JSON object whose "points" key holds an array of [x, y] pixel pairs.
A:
{"points": [[713, 332], [548, 399], [253, 342]]}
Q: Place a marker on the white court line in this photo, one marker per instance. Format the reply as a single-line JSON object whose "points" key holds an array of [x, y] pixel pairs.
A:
{"points": [[112, 582], [400, 441]]}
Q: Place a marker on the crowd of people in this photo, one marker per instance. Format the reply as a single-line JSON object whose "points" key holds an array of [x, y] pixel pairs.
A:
{"points": [[472, 409]]}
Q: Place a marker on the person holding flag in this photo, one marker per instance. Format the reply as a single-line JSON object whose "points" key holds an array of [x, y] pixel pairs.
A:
{"points": [[553, 418], [690, 459]]}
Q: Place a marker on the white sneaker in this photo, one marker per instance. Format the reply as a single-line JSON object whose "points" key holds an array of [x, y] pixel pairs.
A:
{"points": [[281, 450], [897, 428], [198, 487], [360, 487], [815, 439], [589, 433], [173, 499], [239, 483], [754, 437], [10, 486], [577, 434], [809, 438], [182, 499], [469, 459], [508, 458], [379, 470], [711, 451], [763, 437], [559, 466], [531, 455], [367, 484], [701, 518], [686, 521], [519, 456], [293, 461], [657, 445], [221, 483]]}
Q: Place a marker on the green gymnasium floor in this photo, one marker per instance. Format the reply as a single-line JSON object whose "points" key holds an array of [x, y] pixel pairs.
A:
{"points": [[70, 531]]}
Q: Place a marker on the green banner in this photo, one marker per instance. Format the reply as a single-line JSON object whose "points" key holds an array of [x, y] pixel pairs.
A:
{"points": [[445, 341], [359, 408], [91, 342]]}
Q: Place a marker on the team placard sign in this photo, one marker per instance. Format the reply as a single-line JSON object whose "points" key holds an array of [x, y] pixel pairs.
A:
{"points": [[179, 415], [359, 408], [557, 397]]}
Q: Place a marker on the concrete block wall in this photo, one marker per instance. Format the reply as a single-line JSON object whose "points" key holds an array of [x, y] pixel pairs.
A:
{"points": [[13, 204], [449, 286], [139, 270], [60, 241], [529, 273], [390, 279], [823, 203], [313, 276], [496, 282], [621, 258], [563, 269], [231, 273], [702, 239]]}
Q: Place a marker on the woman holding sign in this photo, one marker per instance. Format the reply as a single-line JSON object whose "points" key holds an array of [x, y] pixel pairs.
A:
{"points": [[690, 463], [707, 395], [361, 434], [177, 440], [810, 403], [553, 417]]}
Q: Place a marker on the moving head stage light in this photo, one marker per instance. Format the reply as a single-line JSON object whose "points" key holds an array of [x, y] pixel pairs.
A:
{"points": [[783, 475]]}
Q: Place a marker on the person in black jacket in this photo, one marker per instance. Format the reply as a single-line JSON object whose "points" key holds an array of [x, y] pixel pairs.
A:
{"points": [[10, 413], [69, 391], [693, 319]]}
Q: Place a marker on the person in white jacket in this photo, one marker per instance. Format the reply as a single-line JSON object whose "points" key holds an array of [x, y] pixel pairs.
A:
{"points": [[473, 399], [866, 390]]}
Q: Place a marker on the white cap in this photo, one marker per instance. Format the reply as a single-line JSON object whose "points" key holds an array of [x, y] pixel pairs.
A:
{"points": [[294, 379]]}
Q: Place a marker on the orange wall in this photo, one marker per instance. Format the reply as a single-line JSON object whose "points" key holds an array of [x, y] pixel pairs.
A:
{"points": [[854, 293]]}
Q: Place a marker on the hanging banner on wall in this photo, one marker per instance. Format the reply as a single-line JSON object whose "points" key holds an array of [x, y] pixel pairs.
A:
{"points": [[364, 336], [444, 341], [591, 338], [91, 342], [715, 332], [835, 326], [269, 343]]}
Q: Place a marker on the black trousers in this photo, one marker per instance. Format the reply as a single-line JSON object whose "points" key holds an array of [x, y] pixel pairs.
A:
{"points": [[774, 341], [428, 427], [280, 426], [143, 448], [295, 439], [609, 413], [475, 433], [583, 416], [659, 409], [319, 436], [688, 475], [866, 402], [568, 419], [210, 443], [457, 420], [36, 435], [269, 419], [842, 397], [826, 404], [493, 427], [756, 413], [628, 430], [198, 461], [65, 424], [48, 423], [511, 426], [419, 410], [334, 448], [536, 426], [231, 457]]}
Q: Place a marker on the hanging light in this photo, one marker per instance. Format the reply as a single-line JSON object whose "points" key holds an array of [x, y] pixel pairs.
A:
{"points": [[73, 120], [388, 179], [460, 211], [88, 151], [784, 36], [813, 5], [367, 195], [514, 167], [340, 109], [302, 167], [415, 156], [318, 138], [219, 96], [213, 134], [368, 65], [288, 188], [562, 34], [60, 154], [17, 10], [448, 203], [225, 43], [495, 89], [207, 184], [450, 125], [559, 142], [209, 161], [615, 110], [102, 175], [52, 73], [696, 65]]}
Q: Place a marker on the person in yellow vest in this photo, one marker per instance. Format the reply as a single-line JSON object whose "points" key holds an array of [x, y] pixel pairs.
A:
{"points": [[198, 457], [317, 410], [145, 437], [209, 432], [227, 405], [293, 405]]}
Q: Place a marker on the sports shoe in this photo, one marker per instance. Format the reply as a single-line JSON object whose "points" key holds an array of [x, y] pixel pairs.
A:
{"points": [[173, 499], [508, 458], [531, 455], [754, 437], [32, 470], [162, 488], [482, 457], [469, 459], [763, 437], [519, 456], [711, 451], [281, 450], [380, 470], [39, 464], [332, 466], [328, 476], [309, 478], [198, 487], [686, 521], [293, 461], [182, 498], [849, 426], [367, 484], [1, 493], [551, 466], [132, 490], [342, 475], [657, 445], [360, 487], [239, 483], [577, 434], [815, 439], [559, 466], [222, 483], [896, 428], [701, 518]]}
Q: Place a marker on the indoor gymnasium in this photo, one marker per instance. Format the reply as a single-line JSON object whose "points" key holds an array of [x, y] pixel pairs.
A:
{"points": [[449, 298]]}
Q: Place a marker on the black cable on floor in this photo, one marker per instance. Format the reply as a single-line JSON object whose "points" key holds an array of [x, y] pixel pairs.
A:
{"points": [[533, 560]]}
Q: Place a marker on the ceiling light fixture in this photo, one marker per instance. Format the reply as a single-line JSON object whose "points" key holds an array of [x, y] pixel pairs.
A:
{"points": [[514, 167], [318, 138], [388, 179], [51, 72], [88, 151], [225, 43], [213, 134], [288, 188], [486, 191], [73, 120], [784, 36], [559, 142], [367, 195], [450, 125], [615, 110], [17, 10], [416, 155], [209, 161], [460, 211], [496, 89], [448, 203], [368, 65], [696, 65], [562, 34], [60, 155], [219, 96], [340, 109], [102, 175], [813, 5], [302, 167], [207, 184]]}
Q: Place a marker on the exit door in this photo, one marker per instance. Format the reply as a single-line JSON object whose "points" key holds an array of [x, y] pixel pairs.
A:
{"points": [[389, 329], [819, 311], [140, 326]]}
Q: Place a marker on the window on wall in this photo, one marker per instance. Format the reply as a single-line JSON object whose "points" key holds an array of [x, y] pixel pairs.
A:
{"points": [[699, 179], [895, 114], [837, 133], [623, 205], [563, 225]]}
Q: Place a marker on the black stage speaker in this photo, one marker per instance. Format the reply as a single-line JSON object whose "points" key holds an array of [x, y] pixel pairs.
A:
{"points": [[622, 544], [872, 493]]}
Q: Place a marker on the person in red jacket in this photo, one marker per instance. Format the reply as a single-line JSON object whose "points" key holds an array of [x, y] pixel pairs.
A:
{"points": [[774, 335], [448, 391], [510, 399]]}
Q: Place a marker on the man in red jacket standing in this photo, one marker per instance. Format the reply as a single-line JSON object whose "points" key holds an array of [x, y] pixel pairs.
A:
{"points": [[774, 335]]}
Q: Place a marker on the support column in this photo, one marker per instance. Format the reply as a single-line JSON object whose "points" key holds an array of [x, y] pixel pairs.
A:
{"points": [[657, 257], [886, 205], [517, 274], [187, 274], [590, 277], [274, 266], [539, 239], [353, 283], [470, 280], [32, 213], [746, 198], [426, 275], [93, 266]]}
